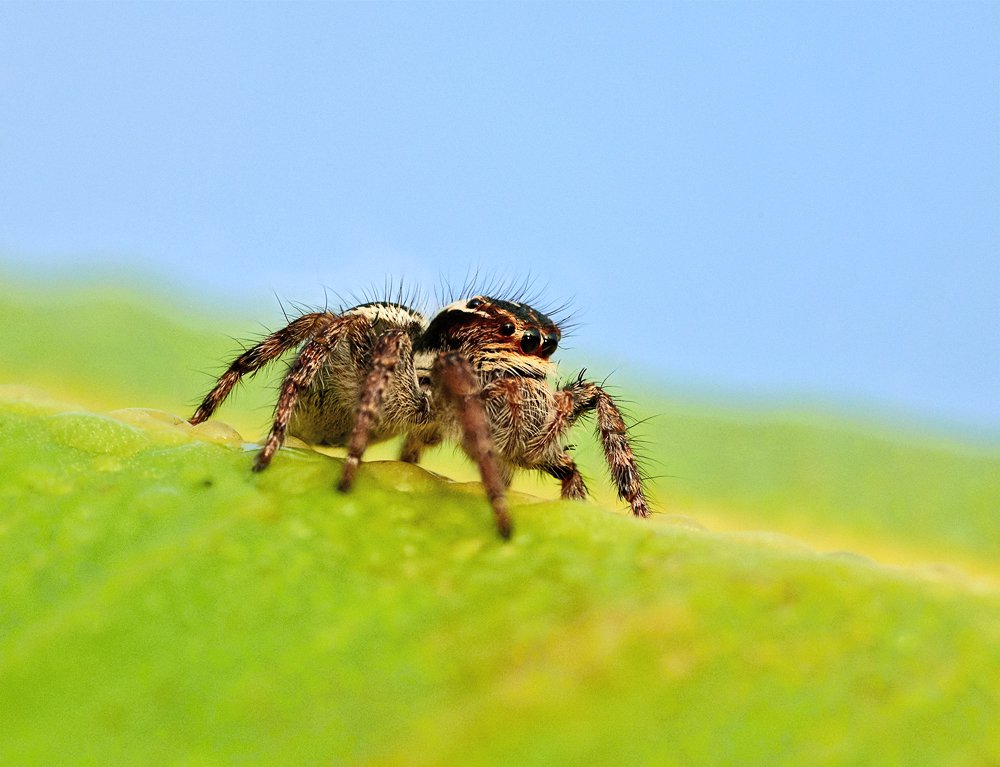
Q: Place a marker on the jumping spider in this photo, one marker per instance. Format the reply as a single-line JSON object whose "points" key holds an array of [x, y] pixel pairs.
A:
{"points": [[476, 373]]}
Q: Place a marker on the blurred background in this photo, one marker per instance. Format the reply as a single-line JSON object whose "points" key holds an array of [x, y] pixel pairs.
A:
{"points": [[795, 202]]}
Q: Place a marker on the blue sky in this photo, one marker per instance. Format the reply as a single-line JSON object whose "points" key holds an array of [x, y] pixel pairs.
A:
{"points": [[781, 199]]}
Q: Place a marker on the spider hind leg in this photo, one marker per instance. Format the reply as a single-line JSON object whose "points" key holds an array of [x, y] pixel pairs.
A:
{"points": [[259, 355], [300, 376], [390, 347]]}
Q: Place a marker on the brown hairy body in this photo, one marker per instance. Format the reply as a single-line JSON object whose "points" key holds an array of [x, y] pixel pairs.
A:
{"points": [[477, 374]]}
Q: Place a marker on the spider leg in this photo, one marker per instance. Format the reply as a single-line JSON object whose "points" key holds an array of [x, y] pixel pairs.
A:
{"points": [[573, 486], [300, 375], [256, 357], [617, 450], [579, 397], [413, 446], [461, 388], [389, 348], [565, 411]]}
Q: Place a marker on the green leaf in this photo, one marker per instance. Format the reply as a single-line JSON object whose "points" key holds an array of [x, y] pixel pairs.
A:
{"points": [[162, 604]]}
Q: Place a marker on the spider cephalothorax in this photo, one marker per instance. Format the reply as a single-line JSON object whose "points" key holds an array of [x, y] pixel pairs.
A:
{"points": [[477, 373], [484, 325]]}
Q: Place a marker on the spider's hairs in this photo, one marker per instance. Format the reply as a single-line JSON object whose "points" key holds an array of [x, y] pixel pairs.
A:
{"points": [[476, 282], [401, 292], [523, 290], [398, 292]]}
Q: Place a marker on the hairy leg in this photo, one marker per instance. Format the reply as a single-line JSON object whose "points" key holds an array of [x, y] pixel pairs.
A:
{"points": [[254, 358], [573, 400], [618, 452], [389, 347], [581, 396], [568, 404], [461, 387], [412, 449], [566, 408], [414, 445], [573, 486], [300, 376]]}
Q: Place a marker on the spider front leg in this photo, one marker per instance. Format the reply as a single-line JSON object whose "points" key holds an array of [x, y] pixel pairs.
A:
{"points": [[460, 387], [614, 438], [619, 454]]}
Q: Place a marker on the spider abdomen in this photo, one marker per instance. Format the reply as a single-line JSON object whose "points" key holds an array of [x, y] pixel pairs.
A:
{"points": [[326, 411]]}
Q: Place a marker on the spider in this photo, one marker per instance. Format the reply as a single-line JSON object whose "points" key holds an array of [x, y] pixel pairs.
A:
{"points": [[476, 373]]}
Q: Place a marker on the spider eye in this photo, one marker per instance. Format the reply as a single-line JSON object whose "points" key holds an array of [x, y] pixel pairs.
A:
{"points": [[475, 302], [530, 340], [549, 345], [507, 329]]}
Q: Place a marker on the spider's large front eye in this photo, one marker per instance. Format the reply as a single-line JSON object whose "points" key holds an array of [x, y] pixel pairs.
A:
{"points": [[530, 340], [507, 329], [549, 345]]}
